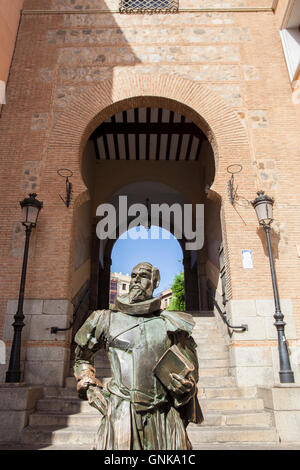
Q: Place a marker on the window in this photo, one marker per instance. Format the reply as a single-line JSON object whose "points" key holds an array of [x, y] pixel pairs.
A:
{"points": [[291, 45], [123, 286], [290, 36], [150, 6]]}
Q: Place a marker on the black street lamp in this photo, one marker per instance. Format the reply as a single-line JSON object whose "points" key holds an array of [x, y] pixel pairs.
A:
{"points": [[31, 208], [263, 206]]}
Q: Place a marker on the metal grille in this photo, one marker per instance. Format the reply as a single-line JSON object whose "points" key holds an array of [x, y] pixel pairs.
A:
{"points": [[149, 6]]}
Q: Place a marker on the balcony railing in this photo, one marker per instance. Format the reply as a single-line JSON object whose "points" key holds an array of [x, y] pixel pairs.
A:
{"points": [[149, 6]]}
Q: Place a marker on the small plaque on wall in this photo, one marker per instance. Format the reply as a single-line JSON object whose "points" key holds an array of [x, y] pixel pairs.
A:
{"points": [[247, 259]]}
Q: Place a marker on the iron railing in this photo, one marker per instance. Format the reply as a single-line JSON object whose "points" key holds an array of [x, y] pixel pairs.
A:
{"points": [[223, 314], [148, 6], [55, 329]]}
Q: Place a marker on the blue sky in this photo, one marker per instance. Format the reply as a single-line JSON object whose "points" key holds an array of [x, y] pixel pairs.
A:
{"points": [[164, 253]]}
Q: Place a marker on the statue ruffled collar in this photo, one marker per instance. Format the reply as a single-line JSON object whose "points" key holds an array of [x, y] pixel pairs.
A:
{"points": [[138, 308]]}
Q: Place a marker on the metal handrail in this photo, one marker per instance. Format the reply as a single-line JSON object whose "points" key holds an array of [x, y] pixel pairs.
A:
{"points": [[223, 314], [55, 329]]}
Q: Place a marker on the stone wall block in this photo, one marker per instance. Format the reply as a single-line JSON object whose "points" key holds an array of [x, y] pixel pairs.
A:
{"points": [[252, 356], [256, 327], [48, 353], [17, 402], [8, 330], [57, 307], [46, 372], [253, 376], [266, 307], [244, 308], [290, 328], [19, 397], [30, 306], [41, 326]]}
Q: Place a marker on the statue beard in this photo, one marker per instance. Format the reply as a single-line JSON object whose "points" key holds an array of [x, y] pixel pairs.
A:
{"points": [[138, 294]]}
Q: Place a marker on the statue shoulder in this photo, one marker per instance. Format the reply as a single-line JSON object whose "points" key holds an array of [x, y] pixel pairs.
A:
{"points": [[93, 327], [178, 321]]}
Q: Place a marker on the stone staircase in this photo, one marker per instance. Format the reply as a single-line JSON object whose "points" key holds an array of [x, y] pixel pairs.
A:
{"points": [[232, 415]]}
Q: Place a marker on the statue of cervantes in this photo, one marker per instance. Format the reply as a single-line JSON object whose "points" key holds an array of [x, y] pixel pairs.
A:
{"points": [[152, 395]]}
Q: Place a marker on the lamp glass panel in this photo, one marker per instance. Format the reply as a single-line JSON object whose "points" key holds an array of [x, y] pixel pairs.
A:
{"points": [[32, 214], [264, 213]]}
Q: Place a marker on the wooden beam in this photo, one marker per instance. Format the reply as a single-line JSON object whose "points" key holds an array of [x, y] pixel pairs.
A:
{"points": [[127, 152], [148, 120], [105, 143], [147, 128], [199, 148], [116, 143], [96, 149], [137, 138], [189, 147], [169, 137], [159, 123]]}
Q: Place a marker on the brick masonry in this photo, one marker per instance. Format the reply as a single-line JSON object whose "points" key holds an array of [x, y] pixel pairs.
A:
{"points": [[225, 70]]}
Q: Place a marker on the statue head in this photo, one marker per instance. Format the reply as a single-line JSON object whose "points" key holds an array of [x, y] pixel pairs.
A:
{"points": [[144, 279]]}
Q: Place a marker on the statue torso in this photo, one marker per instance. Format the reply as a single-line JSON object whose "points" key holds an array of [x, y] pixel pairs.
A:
{"points": [[135, 344]]}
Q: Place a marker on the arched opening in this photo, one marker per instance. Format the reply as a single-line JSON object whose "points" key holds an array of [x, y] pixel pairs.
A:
{"points": [[154, 245], [150, 155]]}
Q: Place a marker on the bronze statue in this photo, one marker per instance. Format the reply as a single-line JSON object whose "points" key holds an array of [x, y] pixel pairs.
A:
{"points": [[152, 395]]}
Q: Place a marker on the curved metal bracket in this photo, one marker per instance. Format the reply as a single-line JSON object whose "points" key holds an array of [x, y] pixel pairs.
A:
{"points": [[66, 173], [233, 169]]}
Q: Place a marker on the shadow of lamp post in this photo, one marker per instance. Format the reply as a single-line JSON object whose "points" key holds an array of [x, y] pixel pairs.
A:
{"points": [[30, 208], [263, 206]]}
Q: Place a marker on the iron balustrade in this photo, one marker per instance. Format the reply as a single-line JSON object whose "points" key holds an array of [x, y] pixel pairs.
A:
{"points": [[223, 314], [55, 329], [148, 6]]}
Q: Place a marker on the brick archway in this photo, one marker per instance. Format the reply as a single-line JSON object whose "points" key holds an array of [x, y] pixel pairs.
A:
{"points": [[218, 121], [68, 138]]}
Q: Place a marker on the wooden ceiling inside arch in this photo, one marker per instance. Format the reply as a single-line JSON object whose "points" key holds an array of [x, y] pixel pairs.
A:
{"points": [[148, 134]]}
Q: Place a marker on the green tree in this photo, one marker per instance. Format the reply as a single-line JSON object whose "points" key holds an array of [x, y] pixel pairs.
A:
{"points": [[178, 295]]}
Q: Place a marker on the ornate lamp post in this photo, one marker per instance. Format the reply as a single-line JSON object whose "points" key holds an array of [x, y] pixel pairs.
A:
{"points": [[30, 208], [263, 206]]}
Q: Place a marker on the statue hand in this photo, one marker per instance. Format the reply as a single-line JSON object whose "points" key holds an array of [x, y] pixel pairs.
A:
{"points": [[97, 399], [181, 386], [83, 385]]}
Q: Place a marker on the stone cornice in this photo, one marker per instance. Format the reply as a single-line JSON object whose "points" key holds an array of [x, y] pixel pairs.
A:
{"points": [[183, 10]]}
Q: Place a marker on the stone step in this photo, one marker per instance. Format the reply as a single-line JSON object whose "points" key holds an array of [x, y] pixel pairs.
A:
{"points": [[213, 372], [212, 354], [212, 329], [52, 435], [56, 392], [210, 363], [217, 382], [64, 405], [211, 335], [239, 418], [82, 420], [227, 392], [231, 404], [70, 382], [202, 433], [91, 420], [211, 348]]}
